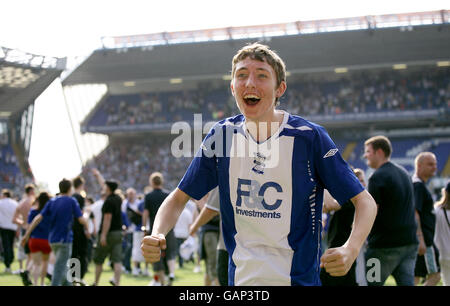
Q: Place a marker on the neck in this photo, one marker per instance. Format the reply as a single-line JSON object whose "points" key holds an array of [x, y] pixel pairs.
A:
{"points": [[262, 130], [382, 162], [423, 178]]}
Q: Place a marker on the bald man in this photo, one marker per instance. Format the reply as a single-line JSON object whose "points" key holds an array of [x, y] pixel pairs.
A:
{"points": [[427, 266]]}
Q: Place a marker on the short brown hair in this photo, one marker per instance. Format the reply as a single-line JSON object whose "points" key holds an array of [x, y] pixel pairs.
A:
{"points": [[29, 188], [77, 182], [380, 142], [156, 179], [64, 186], [260, 52]]}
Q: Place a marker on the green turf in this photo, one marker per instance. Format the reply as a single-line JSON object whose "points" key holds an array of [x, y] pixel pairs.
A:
{"points": [[183, 277]]}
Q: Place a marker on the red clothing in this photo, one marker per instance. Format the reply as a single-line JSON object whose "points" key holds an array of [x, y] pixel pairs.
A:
{"points": [[39, 245]]}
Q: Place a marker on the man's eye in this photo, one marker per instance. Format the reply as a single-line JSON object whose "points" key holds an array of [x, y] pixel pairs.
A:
{"points": [[263, 76]]}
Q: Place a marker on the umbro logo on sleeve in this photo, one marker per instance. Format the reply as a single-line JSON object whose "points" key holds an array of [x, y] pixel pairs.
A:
{"points": [[330, 153]]}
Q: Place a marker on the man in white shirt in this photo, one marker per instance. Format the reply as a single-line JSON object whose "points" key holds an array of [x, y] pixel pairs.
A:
{"points": [[134, 234], [181, 229], [7, 227], [96, 209]]}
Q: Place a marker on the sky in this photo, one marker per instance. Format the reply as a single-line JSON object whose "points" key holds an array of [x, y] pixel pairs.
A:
{"points": [[74, 28]]}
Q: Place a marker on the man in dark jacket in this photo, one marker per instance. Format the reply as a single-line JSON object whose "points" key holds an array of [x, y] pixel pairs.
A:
{"points": [[392, 243], [427, 264]]}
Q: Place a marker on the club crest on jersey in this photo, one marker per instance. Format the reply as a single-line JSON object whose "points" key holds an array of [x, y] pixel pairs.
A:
{"points": [[259, 163], [330, 153]]}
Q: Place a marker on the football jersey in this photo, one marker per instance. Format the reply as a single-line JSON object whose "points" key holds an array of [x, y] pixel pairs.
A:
{"points": [[271, 196]]}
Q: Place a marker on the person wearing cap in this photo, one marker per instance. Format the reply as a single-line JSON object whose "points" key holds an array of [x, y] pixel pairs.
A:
{"points": [[442, 233], [110, 234]]}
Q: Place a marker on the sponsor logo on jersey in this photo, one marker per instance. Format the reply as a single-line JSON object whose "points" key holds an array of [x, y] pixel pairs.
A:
{"points": [[250, 194]]}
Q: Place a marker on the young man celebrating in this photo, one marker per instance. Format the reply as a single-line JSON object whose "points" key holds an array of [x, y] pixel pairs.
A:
{"points": [[270, 198]]}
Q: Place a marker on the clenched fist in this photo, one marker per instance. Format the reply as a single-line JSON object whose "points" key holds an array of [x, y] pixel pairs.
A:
{"points": [[152, 246], [338, 261]]}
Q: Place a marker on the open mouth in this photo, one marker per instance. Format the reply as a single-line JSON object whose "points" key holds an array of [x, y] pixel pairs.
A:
{"points": [[251, 99]]}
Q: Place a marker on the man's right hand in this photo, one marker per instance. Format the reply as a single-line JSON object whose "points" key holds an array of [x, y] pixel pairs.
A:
{"points": [[151, 247]]}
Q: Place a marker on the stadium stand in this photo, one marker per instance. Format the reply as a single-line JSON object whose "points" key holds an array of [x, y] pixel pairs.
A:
{"points": [[130, 161], [359, 93], [10, 175], [23, 77], [337, 77], [405, 150]]}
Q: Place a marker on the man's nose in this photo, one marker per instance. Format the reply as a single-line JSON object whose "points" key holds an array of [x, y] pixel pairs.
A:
{"points": [[251, 81]]}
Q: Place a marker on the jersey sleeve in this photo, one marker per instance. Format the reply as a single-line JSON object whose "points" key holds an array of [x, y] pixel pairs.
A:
{"points": [[141, 206], [125, 219], [418, 197], [147, 202], [201, 175], [108, 208], [333, 171], [76, 208]]}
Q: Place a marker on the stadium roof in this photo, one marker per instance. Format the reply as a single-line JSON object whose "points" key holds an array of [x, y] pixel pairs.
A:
{"points": [[23, 77], [323, 45]]}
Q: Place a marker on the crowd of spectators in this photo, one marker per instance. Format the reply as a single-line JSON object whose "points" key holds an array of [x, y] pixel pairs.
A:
{"points": [[162, 108], [10, 175], [354, 93], [131, 162], [364, 92]]}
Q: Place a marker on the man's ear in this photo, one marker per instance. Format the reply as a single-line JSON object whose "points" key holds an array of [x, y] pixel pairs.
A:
{"points": [[232, 88], [380, 152], [281, 89]]}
